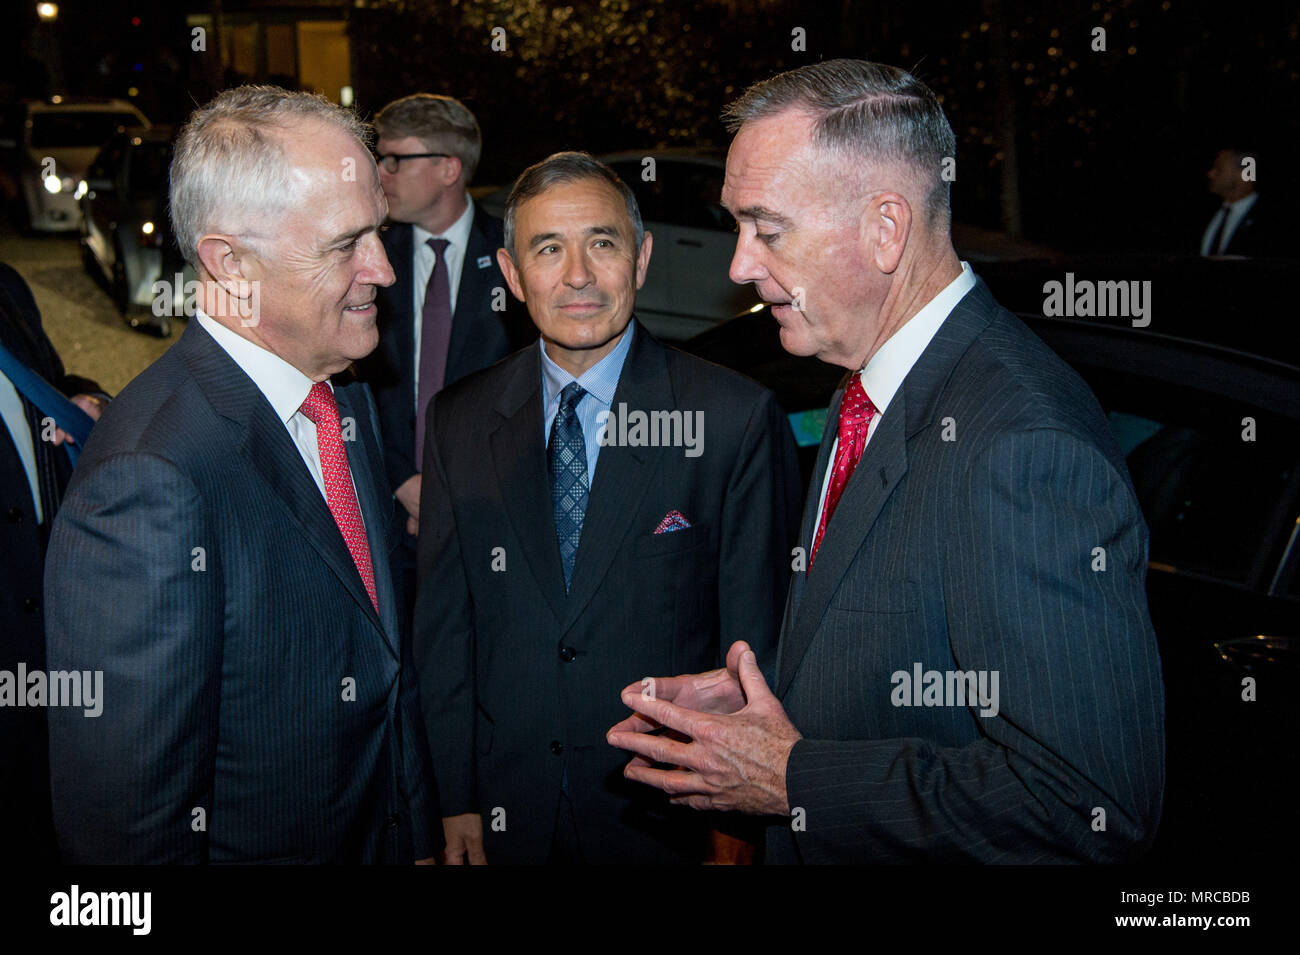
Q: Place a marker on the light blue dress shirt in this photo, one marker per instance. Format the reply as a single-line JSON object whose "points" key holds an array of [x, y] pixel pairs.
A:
{"points": [[599, 381]]}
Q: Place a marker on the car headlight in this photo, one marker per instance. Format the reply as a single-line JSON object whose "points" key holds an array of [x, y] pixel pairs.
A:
{"points": [[82, 189], [53, 184]]}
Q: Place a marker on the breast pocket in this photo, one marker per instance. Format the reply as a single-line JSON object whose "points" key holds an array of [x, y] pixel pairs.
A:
{"points": [[670, 542]]}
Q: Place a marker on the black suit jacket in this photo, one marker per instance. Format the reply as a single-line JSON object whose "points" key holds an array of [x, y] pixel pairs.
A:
{"points": [[520, 680], [966, 540], [246, 672], [480, 335], [1256, 234], [25, 827]]}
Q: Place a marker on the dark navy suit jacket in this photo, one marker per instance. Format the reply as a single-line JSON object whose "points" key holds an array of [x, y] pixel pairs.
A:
{"points": [[966, 540], [255, 706], [519, 680], [480, 335]]}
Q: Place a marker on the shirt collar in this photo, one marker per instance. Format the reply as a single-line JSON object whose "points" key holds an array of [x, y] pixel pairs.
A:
{"points": [[284, 386], [1244, 203], [884, 374], [600, 380], [457, 235]]}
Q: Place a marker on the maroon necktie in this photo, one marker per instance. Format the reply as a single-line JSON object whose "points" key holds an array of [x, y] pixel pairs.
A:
{"points": [[856, 412], [321, 409], [435, 336]]}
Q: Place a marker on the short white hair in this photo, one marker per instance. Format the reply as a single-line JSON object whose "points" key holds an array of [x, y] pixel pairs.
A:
{"points": [[229, 158]]}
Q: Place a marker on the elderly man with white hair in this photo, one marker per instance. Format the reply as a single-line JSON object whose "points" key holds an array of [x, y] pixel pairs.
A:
{"points": [[222, 555]]}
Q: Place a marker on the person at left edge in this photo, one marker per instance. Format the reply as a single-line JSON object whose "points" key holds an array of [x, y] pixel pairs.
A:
{"points": [[33, 476], [222, 554]]}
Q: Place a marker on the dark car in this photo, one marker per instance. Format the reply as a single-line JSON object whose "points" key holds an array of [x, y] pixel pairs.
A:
{"points": [[1203, 395], [125, 233]]}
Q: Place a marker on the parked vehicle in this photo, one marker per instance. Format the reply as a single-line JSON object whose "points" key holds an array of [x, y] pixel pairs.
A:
{"points": [[126, 235], [48, 146]]}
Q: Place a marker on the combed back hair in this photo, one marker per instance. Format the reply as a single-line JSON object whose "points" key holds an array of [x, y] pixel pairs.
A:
{"points": [[442, 123], [229, 159], [865, 113], [561, 168]]}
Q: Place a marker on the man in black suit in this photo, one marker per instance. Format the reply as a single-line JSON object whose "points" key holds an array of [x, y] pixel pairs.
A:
{"points": [[222, 555], [1238, 227], [448, 313], [33, 475], [967, 668], [595, 507]]}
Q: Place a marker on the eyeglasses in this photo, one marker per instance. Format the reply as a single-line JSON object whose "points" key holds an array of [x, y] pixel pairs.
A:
{"points": [[391, 161]]}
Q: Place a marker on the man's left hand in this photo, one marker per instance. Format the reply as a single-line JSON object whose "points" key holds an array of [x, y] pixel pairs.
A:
{"points": [[93, 405], [731, 761]]}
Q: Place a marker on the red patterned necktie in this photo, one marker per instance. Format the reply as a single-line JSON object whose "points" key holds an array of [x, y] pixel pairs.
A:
{"points": [[321, 409], [856, 412]]}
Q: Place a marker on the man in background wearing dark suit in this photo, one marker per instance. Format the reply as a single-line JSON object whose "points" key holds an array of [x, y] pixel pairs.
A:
{"points": [[595, 507], [967, 669], [33, 475], [1239, 226], [222, 555], [448, 313]]}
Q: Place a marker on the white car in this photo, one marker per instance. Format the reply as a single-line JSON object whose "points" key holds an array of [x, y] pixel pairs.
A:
{"points": [[52, 145]]}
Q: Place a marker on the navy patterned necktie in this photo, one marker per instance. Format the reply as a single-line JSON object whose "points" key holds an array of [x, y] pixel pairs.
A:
{"points": [[566, 455]]}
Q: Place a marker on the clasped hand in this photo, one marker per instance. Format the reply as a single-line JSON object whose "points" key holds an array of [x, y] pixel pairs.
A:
{"points": [[727, 738]]}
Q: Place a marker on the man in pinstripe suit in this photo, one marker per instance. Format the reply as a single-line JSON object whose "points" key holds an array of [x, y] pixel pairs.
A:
{"points": [[967, 669], [222, 555]]}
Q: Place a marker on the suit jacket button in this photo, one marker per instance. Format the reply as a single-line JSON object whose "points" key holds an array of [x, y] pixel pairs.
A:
{"points": [[15, 515], [568, 654], [393, 821], [31, 605], [557, 747]]}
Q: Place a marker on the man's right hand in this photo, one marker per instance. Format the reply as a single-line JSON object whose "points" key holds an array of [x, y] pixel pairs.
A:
{"points": [[408, 492], [464, 835]]}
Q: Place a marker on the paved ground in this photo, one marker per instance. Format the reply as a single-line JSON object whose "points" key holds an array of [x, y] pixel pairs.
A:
{"points": [[87, 330]]}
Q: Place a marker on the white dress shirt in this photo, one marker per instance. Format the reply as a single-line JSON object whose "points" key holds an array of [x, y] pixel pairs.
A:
{"points": [[283, 385], [1235, 211], [454, 256], [14, 414], [887, 368]]}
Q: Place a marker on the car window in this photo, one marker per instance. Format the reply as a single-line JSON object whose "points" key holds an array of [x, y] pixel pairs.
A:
{"points": [[148, 172], [66, 129], [651, 196], [697, 189], [1211, 473], [108, 161]]}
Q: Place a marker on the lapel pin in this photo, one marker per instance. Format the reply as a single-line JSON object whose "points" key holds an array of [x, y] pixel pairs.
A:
{"points": [[484, 261]]}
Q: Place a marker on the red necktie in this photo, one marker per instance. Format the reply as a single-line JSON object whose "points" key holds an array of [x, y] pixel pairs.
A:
{"points": [[324, 413], [856, 412]]}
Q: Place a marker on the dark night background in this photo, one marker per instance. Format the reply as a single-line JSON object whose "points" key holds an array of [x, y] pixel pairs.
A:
{"points": [[1077, 149]]}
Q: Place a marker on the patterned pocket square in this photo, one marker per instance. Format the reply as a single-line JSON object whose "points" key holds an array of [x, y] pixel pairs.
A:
{"points": [[673, 521]]}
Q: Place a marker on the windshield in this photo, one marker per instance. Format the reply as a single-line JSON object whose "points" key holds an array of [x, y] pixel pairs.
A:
{"points": [[70, 129]]}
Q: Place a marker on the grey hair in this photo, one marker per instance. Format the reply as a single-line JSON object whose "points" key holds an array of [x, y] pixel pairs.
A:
{"points": [[567, 167], [442, 123], [863, 111], [230, 157]]}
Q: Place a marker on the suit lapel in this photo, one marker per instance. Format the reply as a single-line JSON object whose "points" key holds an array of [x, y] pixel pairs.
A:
{"points": [[474, 290], [622, 474], [519, 458], [879, 472], [270, 452]]}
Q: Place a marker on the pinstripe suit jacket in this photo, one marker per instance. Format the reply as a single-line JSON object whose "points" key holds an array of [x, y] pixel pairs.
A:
{"points": [[966, 540], [246, 673]]}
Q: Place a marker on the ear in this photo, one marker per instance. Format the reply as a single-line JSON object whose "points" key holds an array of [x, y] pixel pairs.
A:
{"points": [[643, 259], [888, 225], [507, 265], [452, 169], [228, 263]]}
